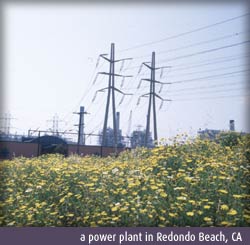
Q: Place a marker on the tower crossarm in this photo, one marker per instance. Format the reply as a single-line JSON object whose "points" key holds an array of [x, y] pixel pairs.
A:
{"points": [[114, 74], [104, 57], [162, 67], [123, 59], [159, 97], [100, 90], [119, 91], [142, 96], [149, 80]]}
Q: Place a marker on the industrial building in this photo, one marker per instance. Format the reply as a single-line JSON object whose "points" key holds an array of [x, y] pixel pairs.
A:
{"points": [[50, 144], [47, 142]]}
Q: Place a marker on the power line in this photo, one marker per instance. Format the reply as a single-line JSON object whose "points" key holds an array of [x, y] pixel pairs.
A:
{"points": [[224, 59], [184, 33], [84, 95], [210, 77], [196, 44], [207, 51], [96, 114], [199, 65], [212, 98], [228, 74], [202, 87], [207, 62], [211, 91], [133, 88], [204, 71], [87, 91], [200, 52]]}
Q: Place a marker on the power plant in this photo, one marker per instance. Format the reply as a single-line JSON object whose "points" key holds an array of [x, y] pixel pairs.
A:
{"points": [[109, 140]]}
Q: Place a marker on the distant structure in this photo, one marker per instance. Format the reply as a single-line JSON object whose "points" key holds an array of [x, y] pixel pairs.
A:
{"points": [[5, 124], [110, 140], [212, 133], [55, 124], [209, 133], [138, 138], [231, 125]]}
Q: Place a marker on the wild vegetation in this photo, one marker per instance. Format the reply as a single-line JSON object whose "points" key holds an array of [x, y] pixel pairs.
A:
{"points": [[196, 183]]}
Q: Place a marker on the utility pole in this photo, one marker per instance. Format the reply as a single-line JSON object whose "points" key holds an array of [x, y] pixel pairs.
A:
{"points": [[111, 92], [81, 135], [152, 96]]}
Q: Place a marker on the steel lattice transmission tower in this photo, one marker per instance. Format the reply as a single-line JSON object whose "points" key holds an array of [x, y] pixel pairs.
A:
{"points": [[5, 124], [111, 93], [152, 96]]}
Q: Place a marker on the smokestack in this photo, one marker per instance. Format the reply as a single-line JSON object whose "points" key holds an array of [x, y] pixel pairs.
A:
{"points": [[118, 121], [231, 125]]}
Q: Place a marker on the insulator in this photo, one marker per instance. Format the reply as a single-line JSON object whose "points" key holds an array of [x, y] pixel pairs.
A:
{"points": [[95, 78], [127, 66], [122, 99], [160, 88], [138, 101], [122, 65], [123, 79], [139, 85], [94, 97], [97, 63], [161, 73], [161, 105], [140, 69]]}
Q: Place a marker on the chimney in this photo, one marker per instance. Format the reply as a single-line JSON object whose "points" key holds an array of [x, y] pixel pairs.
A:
{"points": [[118, 121], [231, 125]]}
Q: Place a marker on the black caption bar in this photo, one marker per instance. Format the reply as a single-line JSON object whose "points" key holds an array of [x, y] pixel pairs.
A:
{"points": [[124, 236]]}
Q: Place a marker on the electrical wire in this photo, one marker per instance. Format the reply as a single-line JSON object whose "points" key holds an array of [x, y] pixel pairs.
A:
{"points": [[229, 74], [205, 71], [207, 51], [204, 87], [211, 91], [195, 44], [84, 95], [213, 98], [213, 61], [210, 77], [199, 53], [184, 33], [189, 55]]}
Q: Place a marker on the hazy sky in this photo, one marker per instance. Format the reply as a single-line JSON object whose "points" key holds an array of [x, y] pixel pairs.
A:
{"points": [[51, 53]]}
